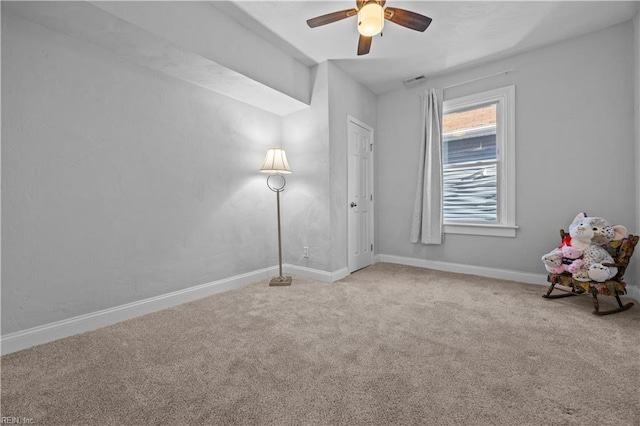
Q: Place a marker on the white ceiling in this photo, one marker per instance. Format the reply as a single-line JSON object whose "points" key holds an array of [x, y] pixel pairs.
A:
{"points": [[462, 33]]}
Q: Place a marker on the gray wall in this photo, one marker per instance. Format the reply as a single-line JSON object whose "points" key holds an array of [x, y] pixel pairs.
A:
{"points": [[316, 209], [306, 202], [574, 139], [120, 183], [346, 97]]}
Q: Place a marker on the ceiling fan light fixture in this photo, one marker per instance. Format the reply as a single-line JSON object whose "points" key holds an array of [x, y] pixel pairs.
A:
{"points": [[370, 19]]}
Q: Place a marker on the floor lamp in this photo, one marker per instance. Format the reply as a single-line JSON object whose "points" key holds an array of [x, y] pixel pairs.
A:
{"points": [[276, 164]]}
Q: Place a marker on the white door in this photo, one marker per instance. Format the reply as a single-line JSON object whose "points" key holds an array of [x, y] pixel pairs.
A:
{"points": [[359, 195]]}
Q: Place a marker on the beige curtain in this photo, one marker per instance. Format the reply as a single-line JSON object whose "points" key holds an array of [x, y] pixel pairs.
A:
{"points": [[426, 227]]}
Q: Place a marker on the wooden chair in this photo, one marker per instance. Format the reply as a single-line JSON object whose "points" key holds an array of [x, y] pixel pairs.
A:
{"points": [[621, 252]]}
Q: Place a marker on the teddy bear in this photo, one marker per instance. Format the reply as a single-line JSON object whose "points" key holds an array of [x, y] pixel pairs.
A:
{"points": [[563, 258], [589, 234]]}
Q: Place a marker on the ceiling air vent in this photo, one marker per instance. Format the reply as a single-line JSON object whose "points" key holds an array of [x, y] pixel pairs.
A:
{"points": [[415, 81]]}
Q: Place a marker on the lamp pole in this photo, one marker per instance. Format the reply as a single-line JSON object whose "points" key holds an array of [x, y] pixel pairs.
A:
{"points": [[279, 235], [278, 187]]}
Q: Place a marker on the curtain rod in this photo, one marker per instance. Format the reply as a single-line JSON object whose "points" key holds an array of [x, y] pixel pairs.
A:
{"points": [[477, 79]]}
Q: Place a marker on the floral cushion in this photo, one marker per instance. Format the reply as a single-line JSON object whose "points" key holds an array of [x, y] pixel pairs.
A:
{"points": [[609, 288]]}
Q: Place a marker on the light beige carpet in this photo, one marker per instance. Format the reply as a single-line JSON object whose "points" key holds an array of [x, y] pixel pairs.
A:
{"points": [[388, 345]]}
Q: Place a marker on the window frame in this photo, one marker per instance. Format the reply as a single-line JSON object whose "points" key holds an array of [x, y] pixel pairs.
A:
{"points": [[505, 226]]}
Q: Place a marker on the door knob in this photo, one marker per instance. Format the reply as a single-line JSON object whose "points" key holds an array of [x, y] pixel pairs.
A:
{"points": [[353, 204]]}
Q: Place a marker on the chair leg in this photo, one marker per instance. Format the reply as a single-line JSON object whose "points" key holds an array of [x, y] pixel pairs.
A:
{"points": [[596, 305], [594, 294], [621, 307], [552, 287], [549, 290]]}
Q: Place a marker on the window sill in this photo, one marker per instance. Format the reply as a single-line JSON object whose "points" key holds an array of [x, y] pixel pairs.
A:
{"points": [[508, 231]]}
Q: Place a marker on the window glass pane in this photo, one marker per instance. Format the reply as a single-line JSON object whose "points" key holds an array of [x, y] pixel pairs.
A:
{"points": [[470, 165]]}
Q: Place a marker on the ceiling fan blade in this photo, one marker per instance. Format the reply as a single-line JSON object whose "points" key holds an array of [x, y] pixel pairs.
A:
{"points": [[406, 18], [331, 17], [364, 45]]}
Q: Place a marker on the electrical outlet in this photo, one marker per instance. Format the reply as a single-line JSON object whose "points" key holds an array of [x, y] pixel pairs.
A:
{"points": [[306, 252]]}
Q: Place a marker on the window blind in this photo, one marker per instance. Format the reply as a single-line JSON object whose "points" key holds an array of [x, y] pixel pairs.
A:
{"points": [[469, 191]]}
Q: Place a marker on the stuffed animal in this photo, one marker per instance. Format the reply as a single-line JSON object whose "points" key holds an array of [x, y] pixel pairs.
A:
{"points": [[589, 234], [563, 258], [553, 262]]}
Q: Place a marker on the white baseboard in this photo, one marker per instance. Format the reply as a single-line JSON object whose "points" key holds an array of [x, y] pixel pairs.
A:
{"points": [[504, 274], [24, 339], [316, 274], [340, 274], [482, 271], [634, 293]]}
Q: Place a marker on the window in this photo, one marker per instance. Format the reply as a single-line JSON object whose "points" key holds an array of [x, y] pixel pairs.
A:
{"points": [[478, 153]]}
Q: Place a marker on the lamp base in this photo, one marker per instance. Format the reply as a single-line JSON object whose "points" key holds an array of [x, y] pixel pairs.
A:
{"points": [[280, 281]]}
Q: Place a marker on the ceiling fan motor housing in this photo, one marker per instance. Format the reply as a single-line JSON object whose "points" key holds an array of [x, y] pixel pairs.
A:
{"points": [[371, 17]]}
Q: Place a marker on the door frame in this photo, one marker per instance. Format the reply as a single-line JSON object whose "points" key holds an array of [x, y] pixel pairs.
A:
{"points": [[352, 120]]}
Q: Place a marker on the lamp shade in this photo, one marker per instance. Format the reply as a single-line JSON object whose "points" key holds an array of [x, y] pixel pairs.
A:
{"points": [[370, 19], [275, 162]]}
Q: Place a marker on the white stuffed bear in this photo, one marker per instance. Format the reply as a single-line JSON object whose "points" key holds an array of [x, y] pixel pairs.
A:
{"points": [[589, 234]]}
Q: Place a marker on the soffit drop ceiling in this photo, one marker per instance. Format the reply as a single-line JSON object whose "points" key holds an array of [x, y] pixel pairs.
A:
{"points": [[462, 33]]}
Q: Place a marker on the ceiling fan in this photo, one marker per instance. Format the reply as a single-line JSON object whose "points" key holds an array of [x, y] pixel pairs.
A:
{"points": [[371, 16]]}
